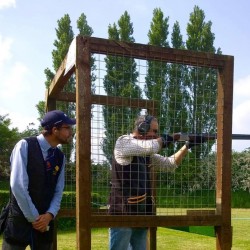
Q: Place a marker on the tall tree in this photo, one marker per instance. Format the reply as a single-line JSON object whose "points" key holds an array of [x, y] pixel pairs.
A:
{"points": [[120, 80], [201, 82], [200, 36], [65, 36], [156, 85], [177, 93], [198, 86], [86, 30]]}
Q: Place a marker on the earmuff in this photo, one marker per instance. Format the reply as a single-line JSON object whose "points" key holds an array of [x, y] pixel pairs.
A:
{"points": [[144, 126]]}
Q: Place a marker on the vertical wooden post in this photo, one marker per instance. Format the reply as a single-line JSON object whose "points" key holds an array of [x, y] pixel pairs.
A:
{"points": [[224, 151], [83, 160], [152, 231]]}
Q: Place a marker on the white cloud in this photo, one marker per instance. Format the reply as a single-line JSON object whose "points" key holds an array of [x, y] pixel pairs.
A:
{"points": [[241, 118], [12, 86], [20, 120], [16, 98], [242, 89], [5, 45], [241, 112], [7, 4], [12, 73]]}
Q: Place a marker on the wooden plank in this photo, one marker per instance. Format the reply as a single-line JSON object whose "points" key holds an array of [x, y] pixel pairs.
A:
{"points": [[152, 238], [123, 101], [72, 212], [154, 221], [83, 138], [149, 52], [224, 237], [111, 101], [60, 79], [224, 147]]}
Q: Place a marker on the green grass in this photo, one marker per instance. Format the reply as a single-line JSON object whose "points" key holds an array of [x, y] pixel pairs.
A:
{"points": [[166, 238], [170, 238]]}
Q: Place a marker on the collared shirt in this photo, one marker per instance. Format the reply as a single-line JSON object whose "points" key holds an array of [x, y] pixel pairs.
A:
{"points": [[19, 180], [127, 147]]}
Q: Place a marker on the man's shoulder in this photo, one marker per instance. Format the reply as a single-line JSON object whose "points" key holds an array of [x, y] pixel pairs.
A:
{"points": [[125, 137], [30, 139]]}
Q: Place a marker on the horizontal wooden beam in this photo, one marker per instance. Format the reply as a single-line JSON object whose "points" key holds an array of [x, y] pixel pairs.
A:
{"points": [[110, 100], [192, 219], [154, 221], [149, 52]]}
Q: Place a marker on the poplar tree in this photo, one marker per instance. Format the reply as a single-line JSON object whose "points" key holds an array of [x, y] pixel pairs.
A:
{"points": [[156, 85], [201, 82], [120, 81], [176, 87], [86, 30], [199, 85], [64, 37]]}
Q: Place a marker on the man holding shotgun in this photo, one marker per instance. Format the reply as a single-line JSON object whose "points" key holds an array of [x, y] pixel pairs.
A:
{"points": [[131, 194]]}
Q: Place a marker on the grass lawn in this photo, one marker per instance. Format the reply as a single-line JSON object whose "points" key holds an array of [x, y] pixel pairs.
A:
{"points": [[172, 239]]}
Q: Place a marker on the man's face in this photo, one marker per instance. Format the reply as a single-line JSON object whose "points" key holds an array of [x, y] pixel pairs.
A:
{"points": [[63, 135], [153, 131]]}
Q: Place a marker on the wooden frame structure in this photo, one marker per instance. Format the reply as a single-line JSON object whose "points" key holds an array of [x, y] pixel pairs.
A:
{"points": [[85, 46]]}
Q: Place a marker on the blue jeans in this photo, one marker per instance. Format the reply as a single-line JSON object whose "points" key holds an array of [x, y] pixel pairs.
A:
{"points": [[127, 238]]}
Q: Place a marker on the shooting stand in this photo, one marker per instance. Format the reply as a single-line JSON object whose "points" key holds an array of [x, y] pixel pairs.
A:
{"points": [[87, 218]]}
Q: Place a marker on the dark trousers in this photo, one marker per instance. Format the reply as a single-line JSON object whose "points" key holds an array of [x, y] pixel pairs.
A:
{"points": [[33, 246]]}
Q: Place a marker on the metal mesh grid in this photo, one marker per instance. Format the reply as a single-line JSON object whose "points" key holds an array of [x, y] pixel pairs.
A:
{"points": [[192, 185]]}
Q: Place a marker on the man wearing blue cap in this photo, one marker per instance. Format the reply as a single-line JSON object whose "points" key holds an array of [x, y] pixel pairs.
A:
{"points": [[37, 183]]}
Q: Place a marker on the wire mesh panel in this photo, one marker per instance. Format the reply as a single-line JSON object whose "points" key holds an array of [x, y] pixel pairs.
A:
{"points": [[185, 101]]}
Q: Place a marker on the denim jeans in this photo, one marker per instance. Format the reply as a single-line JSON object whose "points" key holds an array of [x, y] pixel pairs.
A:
{"points": [[127, 238]]}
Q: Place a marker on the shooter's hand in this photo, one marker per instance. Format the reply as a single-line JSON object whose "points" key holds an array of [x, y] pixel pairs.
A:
{"points": [[166, 140], [195, 141]]}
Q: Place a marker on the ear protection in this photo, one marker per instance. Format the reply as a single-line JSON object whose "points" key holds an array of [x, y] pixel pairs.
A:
{"points": [[144, 126]]}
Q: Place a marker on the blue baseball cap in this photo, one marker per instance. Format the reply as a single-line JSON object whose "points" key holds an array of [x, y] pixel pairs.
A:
{"points": [[56, 118]]}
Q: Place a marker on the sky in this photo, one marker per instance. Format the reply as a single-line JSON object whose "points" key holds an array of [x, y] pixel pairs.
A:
{"points": [[28, 31]]}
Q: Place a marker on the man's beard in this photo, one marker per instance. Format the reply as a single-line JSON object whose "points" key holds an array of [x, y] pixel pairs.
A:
{"points": [[64, 140]]}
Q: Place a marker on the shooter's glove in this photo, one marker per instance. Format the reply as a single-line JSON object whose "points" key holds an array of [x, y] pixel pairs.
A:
{"points": [[195, 141], [166, 140]]}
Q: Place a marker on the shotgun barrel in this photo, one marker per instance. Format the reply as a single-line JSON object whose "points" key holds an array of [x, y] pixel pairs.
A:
{"points": [[187, 137]]}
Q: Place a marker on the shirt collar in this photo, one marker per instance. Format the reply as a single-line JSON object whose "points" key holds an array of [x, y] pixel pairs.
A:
{"points": [[43, 142]]}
